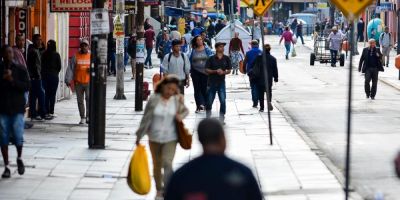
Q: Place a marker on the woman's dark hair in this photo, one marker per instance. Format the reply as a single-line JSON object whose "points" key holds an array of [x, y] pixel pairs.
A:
{"points": [[51, 46], [4, 49], [194, 41], [165, 81], [286, 28]]}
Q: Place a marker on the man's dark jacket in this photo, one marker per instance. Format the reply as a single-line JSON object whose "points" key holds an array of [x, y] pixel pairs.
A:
{"points": [[12, 99], [364, 59], [271, 66]]}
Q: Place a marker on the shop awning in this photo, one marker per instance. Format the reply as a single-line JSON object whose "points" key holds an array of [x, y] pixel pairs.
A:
{"points": [[173, 12]]}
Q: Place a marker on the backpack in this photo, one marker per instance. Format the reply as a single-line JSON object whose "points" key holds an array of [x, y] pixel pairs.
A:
{"points": [[257, 70], [381, 37], [184, 61]]}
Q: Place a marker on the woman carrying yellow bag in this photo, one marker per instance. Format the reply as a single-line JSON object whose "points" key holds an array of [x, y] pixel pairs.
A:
{"points": [[162, 111]]}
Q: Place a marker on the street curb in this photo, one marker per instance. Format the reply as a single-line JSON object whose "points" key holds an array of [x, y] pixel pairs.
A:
{"points": [[388, 83], [314, 148]]}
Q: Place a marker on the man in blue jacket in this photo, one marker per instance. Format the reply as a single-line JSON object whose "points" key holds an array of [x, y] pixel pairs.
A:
{"points": [[248, 62]]}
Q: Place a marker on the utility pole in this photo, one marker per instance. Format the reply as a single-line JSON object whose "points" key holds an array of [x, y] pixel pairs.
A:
{"points": [[139, 56], [398, 30], [120, 42], [99, 27]]}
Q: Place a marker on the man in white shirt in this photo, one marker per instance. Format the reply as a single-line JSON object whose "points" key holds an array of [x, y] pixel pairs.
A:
{"points": [[177, 63], [335, 44], [386, 43]]}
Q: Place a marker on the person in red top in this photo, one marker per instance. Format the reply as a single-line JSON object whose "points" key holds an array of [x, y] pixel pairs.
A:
{"points": [[149, 36], [287, 36], [235, 47]]}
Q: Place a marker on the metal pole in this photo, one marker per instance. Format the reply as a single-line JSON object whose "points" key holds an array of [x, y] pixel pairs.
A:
{"points": [[139, 56], [266, 79], [349, 114], [98, 80], [398, 33], [120, 42]]}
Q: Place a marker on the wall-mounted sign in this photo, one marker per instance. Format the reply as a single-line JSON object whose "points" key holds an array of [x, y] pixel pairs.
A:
{"points": [[384, 7], [20, 22], [75, 5], [151, 2]]}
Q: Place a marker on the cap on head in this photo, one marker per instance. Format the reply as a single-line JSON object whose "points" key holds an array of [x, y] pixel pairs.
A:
{"points": [[254, 43], [84, 41], [176, 42], [334, 28], [219, 44]]}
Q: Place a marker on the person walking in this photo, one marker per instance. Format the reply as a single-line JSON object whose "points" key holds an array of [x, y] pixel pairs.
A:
{"points": [[299, 32], [385, 39], [206, 40], [78, 72], [287, 37], [132, 54], [360, 30], [162, 111], [149, 36], [213, 176], [164, 47], [19, 58], [248, 62], [198, 58], [14, 83], [175, 34], [294, 24], [371, 64], [217, 67], [147, 24], [257, 32], [335, 40], [177, 63], [34, 63], [236, 52], [112, 50], [219, 26], [211, 30], [261, 77], [51, 67]]}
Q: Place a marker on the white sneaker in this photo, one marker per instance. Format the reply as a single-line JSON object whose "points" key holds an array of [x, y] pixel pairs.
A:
{"points": [[83, 121]]}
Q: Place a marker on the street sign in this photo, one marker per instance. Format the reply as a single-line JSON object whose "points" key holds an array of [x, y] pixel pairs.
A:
{"points": [[118, 28], [352, 8], [261, 6]]}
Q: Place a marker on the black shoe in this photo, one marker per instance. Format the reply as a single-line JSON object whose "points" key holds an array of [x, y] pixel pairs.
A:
{"points": [[367, 96], [254, 106], [287, 57], [28, 125], [202, 108], [261, 110], [6, 173], [373, 98], [21, 166], [48, 117]]}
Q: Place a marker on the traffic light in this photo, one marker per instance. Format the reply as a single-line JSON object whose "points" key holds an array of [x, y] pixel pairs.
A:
{"points": [[227, 6], [218, 5]]}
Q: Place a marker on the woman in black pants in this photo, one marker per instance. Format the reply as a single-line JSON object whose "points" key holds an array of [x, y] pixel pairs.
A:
{"points": [[51, 67], [198, 57]]}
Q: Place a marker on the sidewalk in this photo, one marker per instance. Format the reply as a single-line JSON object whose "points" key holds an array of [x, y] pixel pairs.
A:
{"points": [[389, 77], [60, 165]]}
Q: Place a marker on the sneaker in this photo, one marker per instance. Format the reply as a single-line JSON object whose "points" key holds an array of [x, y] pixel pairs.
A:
{"points": [[254, 105], [287, 57], [38, 118], [83, 120], [202, 108], [261, 110], [21, 166], [6, 173], [48, 117]]}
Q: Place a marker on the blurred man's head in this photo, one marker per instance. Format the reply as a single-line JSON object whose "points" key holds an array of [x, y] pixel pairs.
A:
{"points": [[37, 40], [20, 41], [7, 54], [212, 136], [372, 43], [386, 29]]}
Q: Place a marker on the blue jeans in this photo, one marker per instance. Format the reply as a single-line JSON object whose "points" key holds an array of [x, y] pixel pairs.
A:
{"points": [[333, 57], [287, 46], [11, 124], [212, 90], [148, 58], [254, 91], [37, 93]]}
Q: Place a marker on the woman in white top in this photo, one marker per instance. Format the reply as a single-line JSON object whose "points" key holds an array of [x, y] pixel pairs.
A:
{"points": [[162, 111]]}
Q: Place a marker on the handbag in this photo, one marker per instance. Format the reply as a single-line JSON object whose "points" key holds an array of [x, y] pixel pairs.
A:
{"points": [[184, 136]]}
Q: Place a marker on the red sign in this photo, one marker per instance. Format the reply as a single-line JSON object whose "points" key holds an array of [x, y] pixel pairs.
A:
{"points": [[20, 22], [75, 5]]}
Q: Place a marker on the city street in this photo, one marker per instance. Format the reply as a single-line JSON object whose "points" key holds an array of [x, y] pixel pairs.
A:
{"points": [[315, 98], [305, 163]]}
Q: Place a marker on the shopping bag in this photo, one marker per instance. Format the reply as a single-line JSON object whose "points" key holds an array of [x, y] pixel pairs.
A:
{"points": [[294, 52], [139, 175], [184, 137], [242, 68]]}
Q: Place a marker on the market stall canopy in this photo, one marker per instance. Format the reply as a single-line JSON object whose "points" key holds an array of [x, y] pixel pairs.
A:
{"points": [[174, 12], [227, 33]]}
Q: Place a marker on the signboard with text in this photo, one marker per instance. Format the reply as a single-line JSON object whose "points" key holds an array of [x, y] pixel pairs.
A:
{"points": [[75, 5], [20, 22]]}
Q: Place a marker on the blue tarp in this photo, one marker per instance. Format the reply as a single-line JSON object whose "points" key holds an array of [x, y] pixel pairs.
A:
{"points": [[173, 12], [210, 15]]}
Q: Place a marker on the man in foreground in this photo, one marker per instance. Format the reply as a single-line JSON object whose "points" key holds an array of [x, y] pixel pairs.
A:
{"points": [[213, 176]]}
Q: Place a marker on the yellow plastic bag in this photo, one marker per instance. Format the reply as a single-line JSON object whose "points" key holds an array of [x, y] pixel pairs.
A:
{"points": [[138, 175]]}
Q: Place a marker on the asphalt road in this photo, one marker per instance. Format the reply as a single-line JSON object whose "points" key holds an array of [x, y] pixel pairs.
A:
{"points": [[315, 98]]}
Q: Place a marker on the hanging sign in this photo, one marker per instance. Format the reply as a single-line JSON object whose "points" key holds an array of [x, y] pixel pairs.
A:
{"points": [[99, 22], [140, 51], [20, 22], [352, 8], [75, 5], [262, 6], [119, 35]]}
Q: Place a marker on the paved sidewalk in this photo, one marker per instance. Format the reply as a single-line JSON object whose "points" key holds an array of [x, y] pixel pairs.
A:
{"points": [[60, 166]]}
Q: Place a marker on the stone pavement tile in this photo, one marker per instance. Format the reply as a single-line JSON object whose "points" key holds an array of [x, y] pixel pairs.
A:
{"points": [[288, 197], [121, 191], [18, 187], [89, 194], [96, 183], [55, 188]]}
